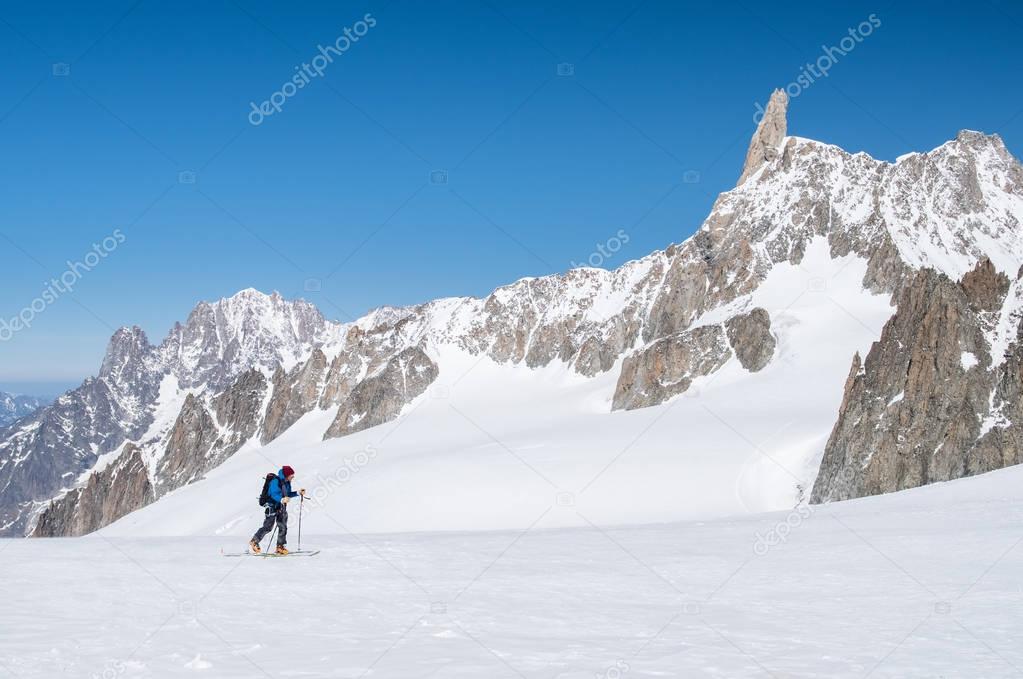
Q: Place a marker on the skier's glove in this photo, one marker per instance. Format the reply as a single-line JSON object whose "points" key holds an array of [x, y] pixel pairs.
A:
{"points": [[301, 491]]}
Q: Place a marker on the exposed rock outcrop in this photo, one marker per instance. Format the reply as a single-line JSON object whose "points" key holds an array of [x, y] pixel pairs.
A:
{"points": [[925, 406], [770, 131], [381, 397], [239, 409], [345, 371], [190, 446], [751, 338], [107, 496], [668, 367], [294, 395], [985, 287]]}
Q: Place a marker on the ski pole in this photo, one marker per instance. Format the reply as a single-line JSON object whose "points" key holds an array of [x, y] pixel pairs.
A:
{"points": [[301, 504], [272, 533]]}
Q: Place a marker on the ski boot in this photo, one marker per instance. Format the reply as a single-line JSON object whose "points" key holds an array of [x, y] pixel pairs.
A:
{"points": [[254, 546], [281, 551]]}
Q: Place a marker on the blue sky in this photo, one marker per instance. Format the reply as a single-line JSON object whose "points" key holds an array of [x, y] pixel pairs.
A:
{"points": [[336, 187]]}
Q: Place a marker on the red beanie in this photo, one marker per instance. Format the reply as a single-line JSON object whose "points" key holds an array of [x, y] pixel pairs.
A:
{"points": [[288, 471]]}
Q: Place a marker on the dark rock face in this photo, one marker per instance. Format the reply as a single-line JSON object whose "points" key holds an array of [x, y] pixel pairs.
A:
{"points": [[1001, 438], [380, 397], [108, 495], [239, 409], [985, 287], [204, 436], [668, 367], [751, 338], [925, 406], [294, 395], [189, 448]]}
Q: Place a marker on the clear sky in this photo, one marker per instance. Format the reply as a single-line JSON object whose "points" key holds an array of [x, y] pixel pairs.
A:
{"points": [[130, 121]]}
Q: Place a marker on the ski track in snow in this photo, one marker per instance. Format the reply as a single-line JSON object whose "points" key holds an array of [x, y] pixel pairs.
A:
{"points": [[923, 583]]}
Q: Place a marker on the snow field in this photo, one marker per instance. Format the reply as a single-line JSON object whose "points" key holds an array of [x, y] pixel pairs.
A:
{"points": [[922, 583]]}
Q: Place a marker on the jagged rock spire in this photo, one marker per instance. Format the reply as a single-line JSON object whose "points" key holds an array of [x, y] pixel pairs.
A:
{"points": [[127, 349], [769, 134]]}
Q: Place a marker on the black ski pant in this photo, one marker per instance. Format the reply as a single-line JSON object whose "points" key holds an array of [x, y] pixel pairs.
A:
{"points": [[279, 515]]}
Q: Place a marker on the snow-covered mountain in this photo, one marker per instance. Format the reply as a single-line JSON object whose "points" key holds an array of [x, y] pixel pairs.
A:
{"points": [[703, 379], [16, 406]]}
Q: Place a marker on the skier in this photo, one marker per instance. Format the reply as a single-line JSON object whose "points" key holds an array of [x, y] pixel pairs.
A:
{"points": [[278, 492]]}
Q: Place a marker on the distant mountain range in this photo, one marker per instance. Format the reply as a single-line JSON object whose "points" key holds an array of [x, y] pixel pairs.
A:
{"points": [[14, 407]]}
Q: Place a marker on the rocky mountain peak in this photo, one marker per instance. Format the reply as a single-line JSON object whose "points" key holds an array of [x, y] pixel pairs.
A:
{"points": [[127, 349], [770, 132], [222, 339], [985, 286], [978, 139]]}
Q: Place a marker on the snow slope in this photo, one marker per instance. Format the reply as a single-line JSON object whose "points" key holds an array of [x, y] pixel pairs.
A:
{"points": [[923, 583], [491, 445]]}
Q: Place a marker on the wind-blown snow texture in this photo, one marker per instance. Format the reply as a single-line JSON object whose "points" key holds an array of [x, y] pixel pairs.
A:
{"points": [[923, 583]]}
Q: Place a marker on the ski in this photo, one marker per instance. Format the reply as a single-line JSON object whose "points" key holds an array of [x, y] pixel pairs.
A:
{"points": [[269, 555]]}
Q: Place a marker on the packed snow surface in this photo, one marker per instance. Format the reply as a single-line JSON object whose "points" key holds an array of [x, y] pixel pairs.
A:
{"points": [[923, 583]]}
